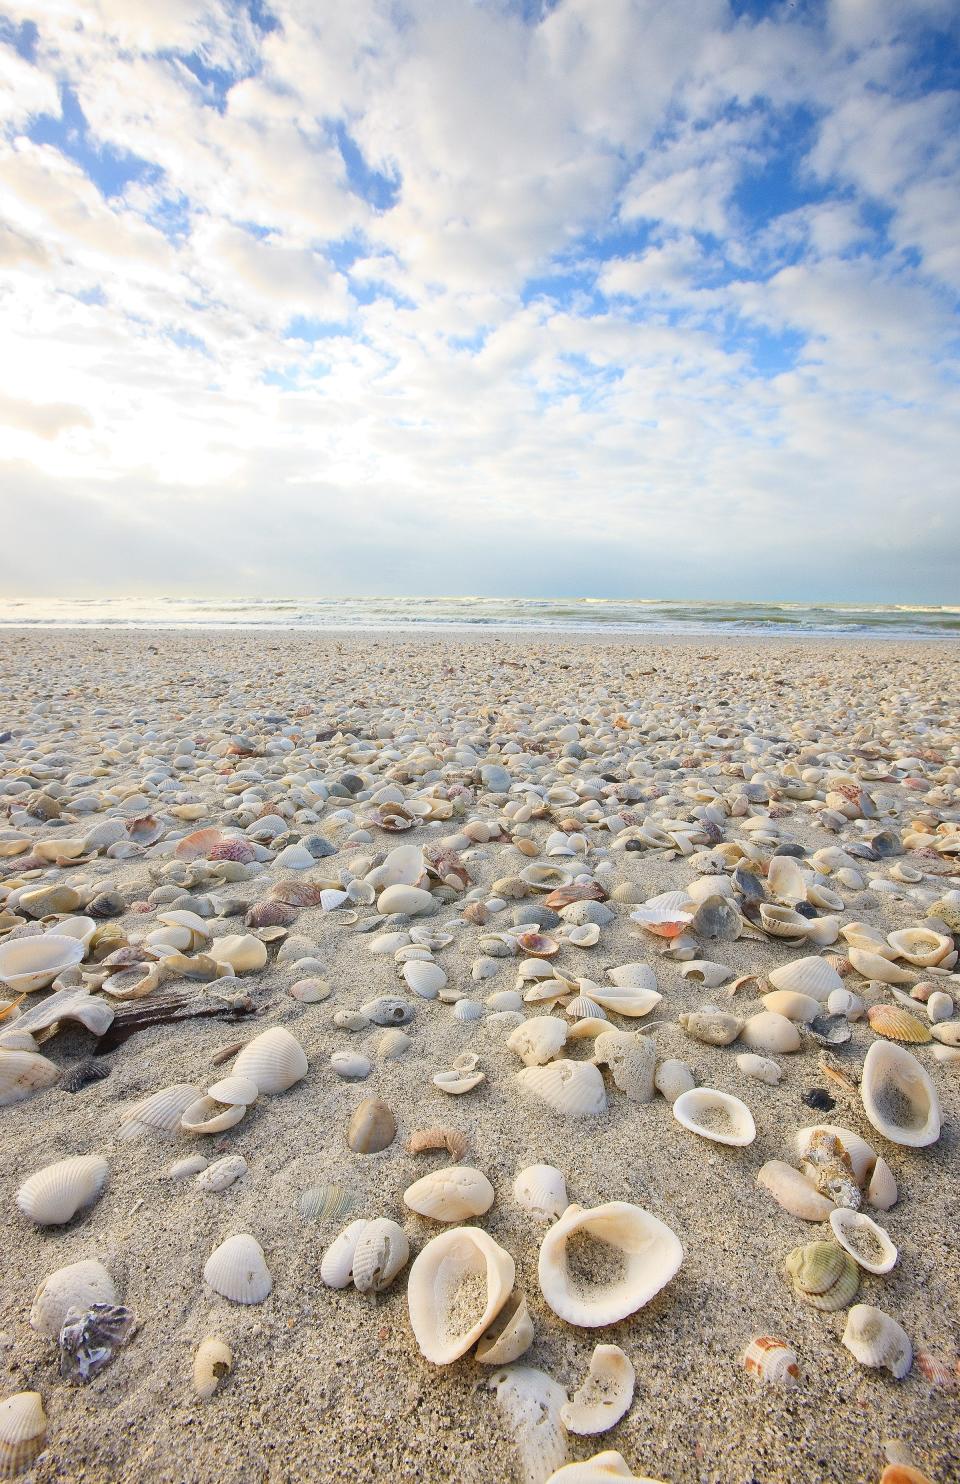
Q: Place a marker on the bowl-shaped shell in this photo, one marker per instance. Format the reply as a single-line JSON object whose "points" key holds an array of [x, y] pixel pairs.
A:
{"points": [[457, 1286], [160, 1113], [537, 945], [663, 922], [273, 1061], [545, 878], [56, 1193], [27, 964], [867, 1243], [706, 972], [588, 1284], [237, 1270], [772, 1361], [78, 1286], [23, 1427], [715, 1115], [921, 946], [211, 1363], [604, 1396], [207, 1116], [573, 1088], [452, 1194], [380, 1253], [234, 1089], [403, 866], [23, 1073], [372, 1127], [875, 1339], [782, 922], [537, 1041], [581, 1007], [541, 1190], [898, 1096], [898, 1024], [242, 951], [811, 976], [509, 1336]]}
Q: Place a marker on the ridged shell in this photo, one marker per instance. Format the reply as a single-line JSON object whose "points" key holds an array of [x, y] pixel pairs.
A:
{"points": [[530, 1401], [77, 1286], [581, 1007], [273, 1061], [772, 1361], [538, 1040], [28, 964], [56, 1193], [509, 1336], [898, 1096], [882, 1189], [824, 1275], [455, 1193], [234, 1089], [793, 1191], [648, 1256], [237, 1270], [23, 1073], [714, 1115], [222, 1173], [605, 1395], [860, 1154], [326, 1202], [875, 1339], [457, 1286], [211, 1363], [466, 1010], [597, 1470], [160, 1113], [379, 1255], [426, 979], [782, 922], [574, 1089], [541, 1190], [372, 1127], [336, 1265], [867, 1243], [23, 1427], [811, 976], [898, 1024]]}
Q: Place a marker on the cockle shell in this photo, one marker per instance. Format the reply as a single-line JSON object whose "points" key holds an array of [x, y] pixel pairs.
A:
{"points": [[56, 1193], [768, 1031], [704, 971], [875, 1339], [713, 1027], [77, 1286], [823, 1275], [810, 976], [372, 1127], [466, 1010], [234, 1089], [632, 1060], [222, 1173], [793, 1191], [573, 1088], [426, 979], [797, 1007], [538, 1040], [759, 1067], [211, 1363], [581, 1007], [242, 951], [381, 1252], [605, 1395], [597, 1470], [867, 1243], [585, 1283], [509, 1336], [23, 1427], [541, 1190], [326, 1202], [772, 1361], [28, 964], [921, 946], [452, 1194], [456, 1287], [663, 922], [898, 1024], [237, 1270], [898, 1096], [714, 1115], [530, 1402], [633, 976], [160, 1113], [336, 1265], [672, 1078], [206, 1116], [23, 1073], [273, 1061]]}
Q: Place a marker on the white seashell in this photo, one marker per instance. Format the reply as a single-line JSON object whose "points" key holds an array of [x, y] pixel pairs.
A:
{"points": [[23, 1427], [403, 898], [23, 1073], [605, 1395], [457, 1286], [350, 1064], [530, 1402], [921, 946], [93, 1013], [769, 1031], [206, 1116], [587, 935], [238, 1271], [795, 1006], [274, 1061], [56, 1193], [882, 1189], [875, 1339], [234, 1089], [534, 969], [28, 964], [874, 966], [712, 1026], [393, 1043], [213, 1360], [160, 1113], [457, 1081], [426, 979], [948, 1056], [77, 1286], [632, 1060], [242, 951], [467, 1010], [336, 1266], [403, 866], [507, 999], [388, 943], [181, 1169], [381, 1252], [946, 1032], [672, 1078], [633, 976], [823, 897], [331, 899], [860, 1154], [573, 1088], [812, 976], [545, 878], [773, 1361], [867, 1243], [485, 968], [822, 931], [940, 1007], [793, 1191], [581, 1007], [452, 1194], [786, 881], [845, 1002], [541, 1190], [627, 1001], [706, 972], [646, 1256], [759, 1067], [715, 1115], [509, 1336], [783, 922], [81, 928], [222, 1173], [538, 1040], [898, 1096]]}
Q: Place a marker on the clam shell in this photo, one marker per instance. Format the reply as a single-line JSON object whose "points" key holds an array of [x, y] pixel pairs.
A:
{"points": [[457, 1286], [630, 1001], [426, 979], [573, 1088], [379, 1255], [28, 964], [823, 1275], [242, 951], [538, 1040], [452, 1194], [466, 1010], [206, 1116], [530, 1401], [541, 1190], [646, 1256], [633, 976], [393, 1043], [875, 1339], [786, 881], [771, 1032], [222, 1173], [234, 1089], [898, 1096], [810, 976], [867, 1243], [56, 1193], [78, 1286], [772, 1361], [873, 966], [237, 1270], [672, 1078], [759, 1067], [211, 1363], [87, 1009], [336, 1265], [604, 1397], [23, 1427], [509, 1336], [372, 1127], [350, 1064], [714, 1115], [23, 1073], [403, 898], [181, 1169], [791, 1190], [782, 922], [273, 1061], [795, 1006], [898, 1024], [160, 1113], [581, 1007], [706, 972]]}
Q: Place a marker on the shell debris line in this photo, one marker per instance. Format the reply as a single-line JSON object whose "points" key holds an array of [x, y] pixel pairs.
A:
{"points": [[446, 1051]]}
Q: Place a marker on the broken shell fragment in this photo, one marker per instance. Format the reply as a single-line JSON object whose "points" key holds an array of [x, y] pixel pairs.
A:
{"points": [[211, 1363], [541, 1190], [867, 1243], [78, 1286], [573, 1088], [380, 1253], [605, 1395], [457, 1286], [875, 1339], [509, 1336], [588, 1284], [713, 1027]]}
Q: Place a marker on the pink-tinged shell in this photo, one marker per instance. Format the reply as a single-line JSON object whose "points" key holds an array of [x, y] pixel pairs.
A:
{"points": [[898, 1024], [843, 966], [233, 850], [565, 896], [772, 1361], [537, 945], [298, 893], [270, 914], [938, 1372], [198, 845]]}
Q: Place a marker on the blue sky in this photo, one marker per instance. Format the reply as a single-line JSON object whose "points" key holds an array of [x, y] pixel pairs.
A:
{"points": [[616, 297]]}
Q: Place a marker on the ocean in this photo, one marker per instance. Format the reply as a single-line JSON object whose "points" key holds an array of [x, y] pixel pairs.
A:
{"points": [[597, 615]]}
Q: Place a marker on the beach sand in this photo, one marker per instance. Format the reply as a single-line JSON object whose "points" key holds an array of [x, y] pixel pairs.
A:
{"points": [[330, 1385]]}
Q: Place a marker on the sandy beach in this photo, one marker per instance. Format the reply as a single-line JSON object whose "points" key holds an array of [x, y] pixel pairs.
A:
{"points": [[331, 1384]]}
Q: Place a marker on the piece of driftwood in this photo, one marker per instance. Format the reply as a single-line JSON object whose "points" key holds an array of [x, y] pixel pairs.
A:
{"points": [[162, 1009]]}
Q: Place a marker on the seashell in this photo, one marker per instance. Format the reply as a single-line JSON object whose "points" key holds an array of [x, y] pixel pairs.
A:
{"points": [[44, 901], [715, 1115], [350, 1064], [381, 1252], [325, 1202], [211, 1363], [196, 845], [68, 1004], [867, 1243], [538, 1040], [388, 943], [948, 1034], [336, 1265], [23, 1427], [273, 1061], [596, 1470], [768, 1031], [234, 1089], [873, 966], [452, 1194], [921, 946], [77, 1286], [588, 1284], [882, 1189], [22, 1073], [453, 1140], [538, 945], [136, 982], [794, 1192], [673, 1078], [403, 866], [898, 1024], [875, 1339], [388, 1010], [633, 976], [845, 1002], [938, 1372], [898, 1096], [458, 1081], [426, 979], [242, 951], [372, 1127], [270, 914], [456, 1287], [28, 964], [713, 1027], [632, 1003], [530, 1402], [466, 1010], [824, 1275], [705, 972], [81, 928], [940, 1007], [903, 1473], [632, 1060], [393, 1043], [717, 919], [586, 935], [160, 1113], [572, 1088], [786, 881], [811, 976], [605, 1395], [401, 898], [772, 1361], [181, 1169], [542, 877], [782, 922], [541, 1190], [222, 1173], [796, 1007], [858, 1153], [664, 923], [759, 1067], [207, 1116], [509, 1336], [581, 1007], [237, 1270], [56, 1193]]}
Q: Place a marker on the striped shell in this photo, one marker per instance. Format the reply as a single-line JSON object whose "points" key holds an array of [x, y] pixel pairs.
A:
{"points": [[237, 1270], [466, 1010], [898, 1024], [451, 1139], [274, 1061], [23, 1427], [938, 1372], [213, 1361], [823, 1275], [772, 1361], [56, 1193], [812, 976], [160, 1113], [326, 1202], [583, 1008], [380, 1254], [336, 1265], [573, 1088]]}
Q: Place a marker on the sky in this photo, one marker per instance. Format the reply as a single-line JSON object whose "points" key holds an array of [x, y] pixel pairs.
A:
{"points": [[639, 298]]}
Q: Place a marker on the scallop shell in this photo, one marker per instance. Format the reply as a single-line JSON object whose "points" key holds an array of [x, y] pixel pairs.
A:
{"points": [[573, 1088], [898, 1024], [222, 1173], [713, 1027], [160, 1113], [23, 1427], [206, 1116], [714, 1115], [509, 1336], [379, 1255], [824, 1275], [538, 1040], [772, 1361], [56, 1193], [530, 1402], [793, 1191], [77, 1286], [795, 1006], [673, 1078], [771, 1032], [541, 1190], [646, 1256], [921, 946], [211, 1363], [28, 964], [425, 978], [326, 1202], [811, 976], [466, 1010], [237, 1270], [336, 1265], [273, 1061], [372, 1127], [661, 921], [759, 1067], [242, 951], [23, 1073], [875, 1339], [455, 1193], [605, 1395], [632, 1060], [898, 1096], [457, 1286], [867, 1243]]}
